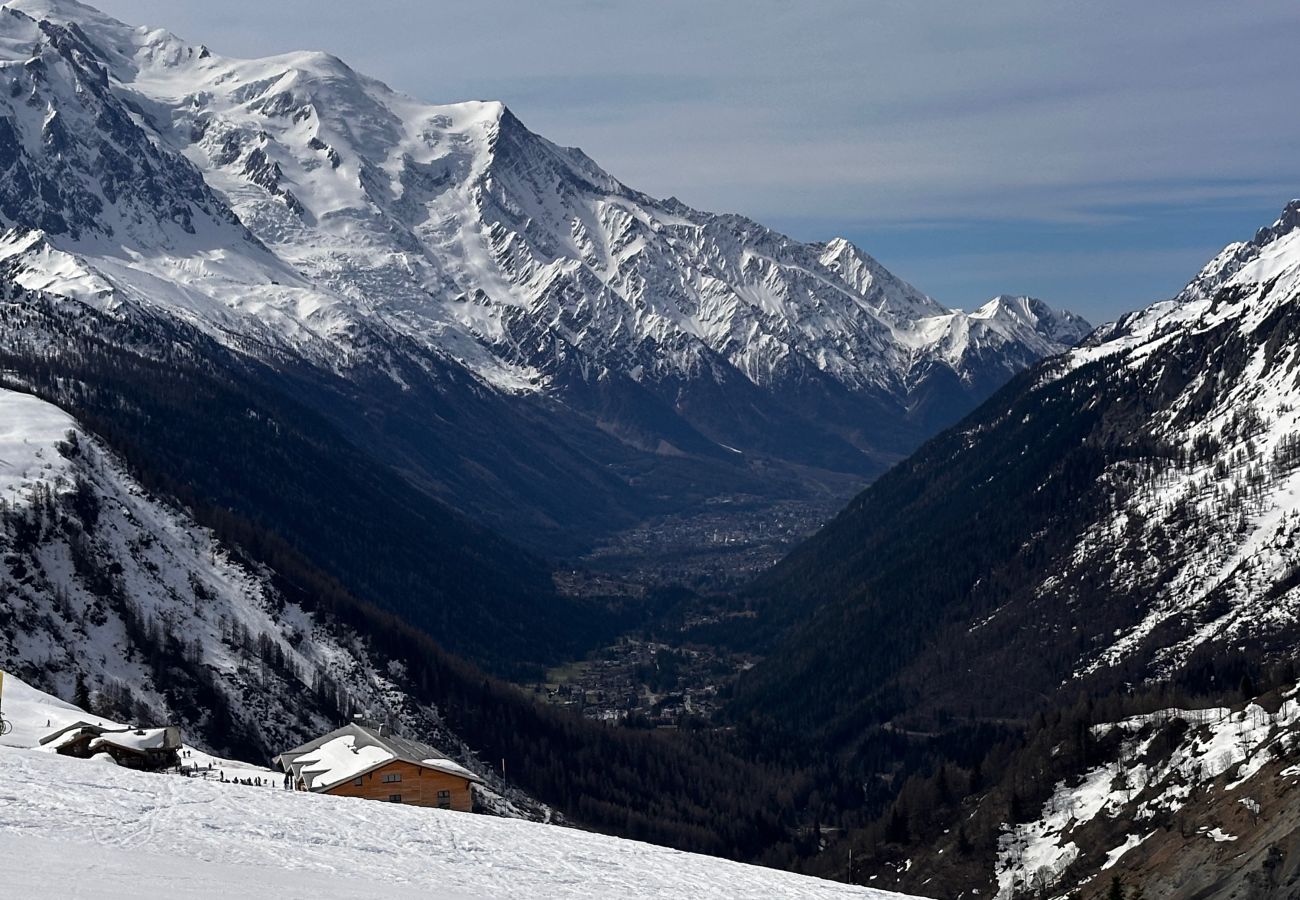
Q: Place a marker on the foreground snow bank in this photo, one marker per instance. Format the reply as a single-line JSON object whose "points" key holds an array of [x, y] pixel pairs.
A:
{"points": [[70, 828]]}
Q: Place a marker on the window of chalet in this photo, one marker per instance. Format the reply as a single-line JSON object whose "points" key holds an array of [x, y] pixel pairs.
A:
{"points": [[357, 781], [390, 777], [444, 799], [394, 798]]}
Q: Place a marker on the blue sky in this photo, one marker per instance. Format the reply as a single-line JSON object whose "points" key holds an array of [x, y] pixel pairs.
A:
{"points": [[1093, 154]]}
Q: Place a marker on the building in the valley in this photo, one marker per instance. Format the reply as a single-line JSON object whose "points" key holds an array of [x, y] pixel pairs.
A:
{"points": [[360, 761]]}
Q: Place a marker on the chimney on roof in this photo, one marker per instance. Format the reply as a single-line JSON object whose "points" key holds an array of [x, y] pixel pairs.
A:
{"points": [[369, 722]]}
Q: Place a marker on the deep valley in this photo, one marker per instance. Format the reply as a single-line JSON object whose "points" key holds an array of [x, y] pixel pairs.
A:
{"points": [[327, 408]]}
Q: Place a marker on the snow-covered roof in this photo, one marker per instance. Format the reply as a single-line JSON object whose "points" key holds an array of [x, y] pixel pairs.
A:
{"points": [[337, 761], [70, 734], [353, 750], [135, 739], [138, 740]]}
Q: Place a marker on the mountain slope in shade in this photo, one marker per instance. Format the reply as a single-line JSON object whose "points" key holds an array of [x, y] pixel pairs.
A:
{"points": [[107, 587], [388, 572], [1126, 511], [298, 210], [235, 440]]}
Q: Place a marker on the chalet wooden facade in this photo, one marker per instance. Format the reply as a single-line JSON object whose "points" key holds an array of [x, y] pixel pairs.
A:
{"points": [[358, 761], [403, 782]]}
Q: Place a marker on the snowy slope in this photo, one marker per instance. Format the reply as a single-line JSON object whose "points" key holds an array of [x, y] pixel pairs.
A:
{"points": [[450, 225], [233, 837], [104, 582], [1244, 284], [1189, 536], [99, 577], [1200, 545], [1217, 501], [1225, 776], [94, 830], [34, 714]]}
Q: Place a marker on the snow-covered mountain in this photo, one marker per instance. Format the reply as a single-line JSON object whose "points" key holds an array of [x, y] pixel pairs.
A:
{"points": [[1121, 521], [296, 208], [1216, 497], [454, 224], [1126, 511]]}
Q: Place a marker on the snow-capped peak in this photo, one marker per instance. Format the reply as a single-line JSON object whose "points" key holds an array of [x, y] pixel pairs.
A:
{"points": [[886, 293], [123, 48], [1286, 223], [1247, 281], [375, 219], [1061, 326]]}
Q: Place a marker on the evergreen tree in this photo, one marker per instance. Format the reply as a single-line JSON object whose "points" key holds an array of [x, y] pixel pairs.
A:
{"points": [[81, 693], [897, 831]]}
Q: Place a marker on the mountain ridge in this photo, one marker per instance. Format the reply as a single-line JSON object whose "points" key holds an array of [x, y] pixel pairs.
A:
{"points": [[379, 231], [1140, 484]]}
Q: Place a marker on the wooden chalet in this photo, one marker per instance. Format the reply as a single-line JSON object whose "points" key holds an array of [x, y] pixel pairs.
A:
{"points": [[359, 761], [152, 749]]}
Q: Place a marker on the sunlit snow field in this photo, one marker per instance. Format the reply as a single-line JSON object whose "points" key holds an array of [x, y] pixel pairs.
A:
{"points": [[75, 828]]}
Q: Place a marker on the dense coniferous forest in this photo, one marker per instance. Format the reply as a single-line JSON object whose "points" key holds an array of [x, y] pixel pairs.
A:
{"points": [[216, 431]]}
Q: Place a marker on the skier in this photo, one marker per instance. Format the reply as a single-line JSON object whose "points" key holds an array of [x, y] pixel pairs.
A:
{"points": [[5, 725], [288, 781]]}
